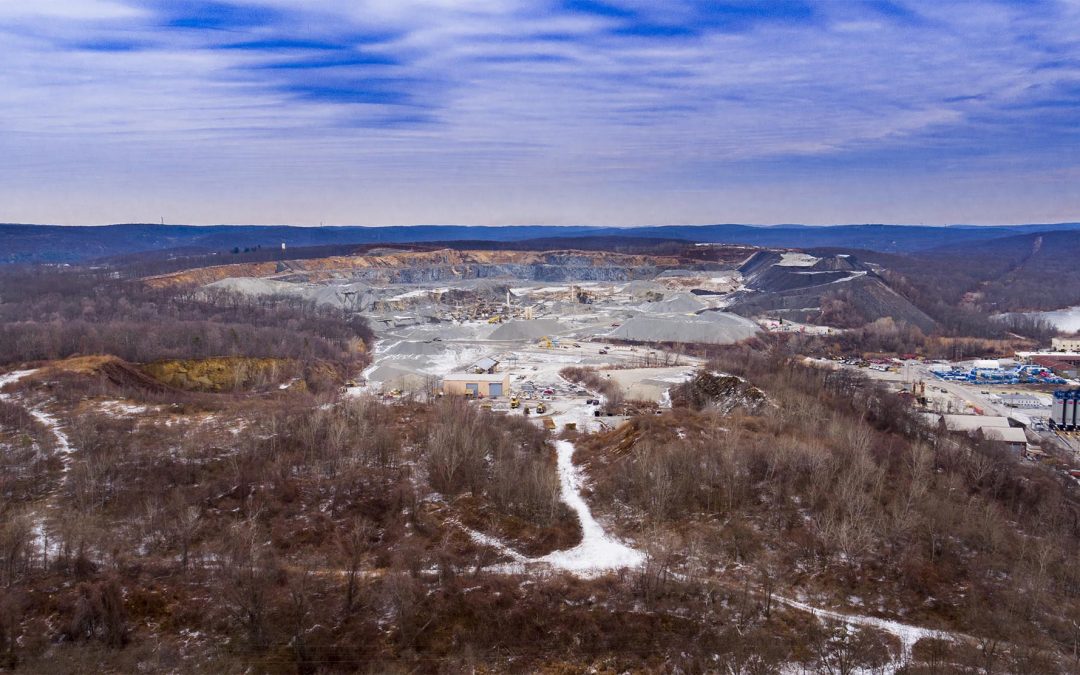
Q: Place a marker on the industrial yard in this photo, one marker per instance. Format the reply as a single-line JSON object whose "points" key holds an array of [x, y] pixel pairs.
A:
{"points": [[977, 395], [487, 315]]}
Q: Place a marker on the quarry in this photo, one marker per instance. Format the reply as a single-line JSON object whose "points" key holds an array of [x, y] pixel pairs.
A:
{"points": [[439, 312]]}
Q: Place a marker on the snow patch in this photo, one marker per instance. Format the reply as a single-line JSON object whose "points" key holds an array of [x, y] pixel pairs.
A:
{"points": [[906, 633], [797, 260]]}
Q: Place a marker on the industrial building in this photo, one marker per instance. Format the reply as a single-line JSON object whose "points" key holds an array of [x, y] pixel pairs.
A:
{"points": [[1065, 365], [1031, 401], [1066, 344], [482, 385], [972, 423], [1013, 439], [484, 365], [990, 429]]}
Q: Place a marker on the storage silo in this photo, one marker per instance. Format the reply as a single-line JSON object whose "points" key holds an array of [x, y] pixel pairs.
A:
{"points": [[1069, 417]]}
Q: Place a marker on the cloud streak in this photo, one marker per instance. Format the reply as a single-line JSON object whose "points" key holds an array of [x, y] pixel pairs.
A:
{"points": [[561, 111]]}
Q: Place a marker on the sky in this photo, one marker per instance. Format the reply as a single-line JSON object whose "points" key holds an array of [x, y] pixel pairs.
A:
{"points": [[503, 112]]}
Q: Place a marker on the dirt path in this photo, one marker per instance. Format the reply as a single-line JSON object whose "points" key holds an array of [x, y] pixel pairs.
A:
{"points": [[64, 451], [598, 552]]}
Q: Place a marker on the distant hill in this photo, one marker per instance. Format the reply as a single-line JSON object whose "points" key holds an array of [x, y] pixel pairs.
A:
{"points": [[1035, 271], [57, 244]]}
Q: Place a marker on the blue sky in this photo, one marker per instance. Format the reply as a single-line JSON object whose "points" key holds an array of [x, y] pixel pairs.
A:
{"points": [[620, 112]]}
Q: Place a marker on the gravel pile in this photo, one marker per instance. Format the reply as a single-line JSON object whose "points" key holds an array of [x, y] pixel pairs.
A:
{"points": [[258, 287], [409, 348], [527, 330], [676, 303], [718, 328]]}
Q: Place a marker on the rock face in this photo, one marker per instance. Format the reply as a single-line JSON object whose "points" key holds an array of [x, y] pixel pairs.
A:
{"points": [[231, 373], [418, 267]]}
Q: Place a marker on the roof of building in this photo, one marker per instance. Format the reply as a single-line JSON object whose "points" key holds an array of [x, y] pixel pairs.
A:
{"points": [[485, 363], [1006, 435], [1057, 361], [1056, 355], [1024, 397], [973, 422], [470, 377]]}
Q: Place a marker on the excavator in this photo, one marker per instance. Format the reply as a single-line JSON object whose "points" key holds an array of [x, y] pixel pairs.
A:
{"points": [[514, 402], [545, 343], [541, 408]]}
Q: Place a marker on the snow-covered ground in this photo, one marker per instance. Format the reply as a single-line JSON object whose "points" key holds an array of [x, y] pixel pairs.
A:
{"points": [[1066, 320], [598, 551], [42, 540], [63, 445], [797, 260], [13, 376], [906, 633]]}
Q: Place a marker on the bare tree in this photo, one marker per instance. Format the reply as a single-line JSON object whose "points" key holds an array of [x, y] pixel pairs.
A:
{"points": [[353, 544]]}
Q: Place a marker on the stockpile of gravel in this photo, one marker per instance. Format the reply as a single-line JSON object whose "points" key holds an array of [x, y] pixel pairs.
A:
{"points": [[677, 303], [256, 287], [452, 331], [718, 328], [410, 348], [527, 330]]}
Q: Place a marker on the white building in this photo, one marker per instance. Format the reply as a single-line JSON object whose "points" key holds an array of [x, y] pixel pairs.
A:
{"points": [[1066, 344]]}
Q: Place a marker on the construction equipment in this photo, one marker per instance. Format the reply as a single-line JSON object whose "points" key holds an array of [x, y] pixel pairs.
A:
{"points": [[495, 319], [514, 402], [541, 409], [545, 343]]}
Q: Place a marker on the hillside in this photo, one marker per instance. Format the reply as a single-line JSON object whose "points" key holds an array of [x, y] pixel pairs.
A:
{"points": [[836, 290], [1035, 271]]}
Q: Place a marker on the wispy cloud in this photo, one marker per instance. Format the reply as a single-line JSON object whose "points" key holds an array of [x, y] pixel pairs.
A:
{"points": [[394, 111]]}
